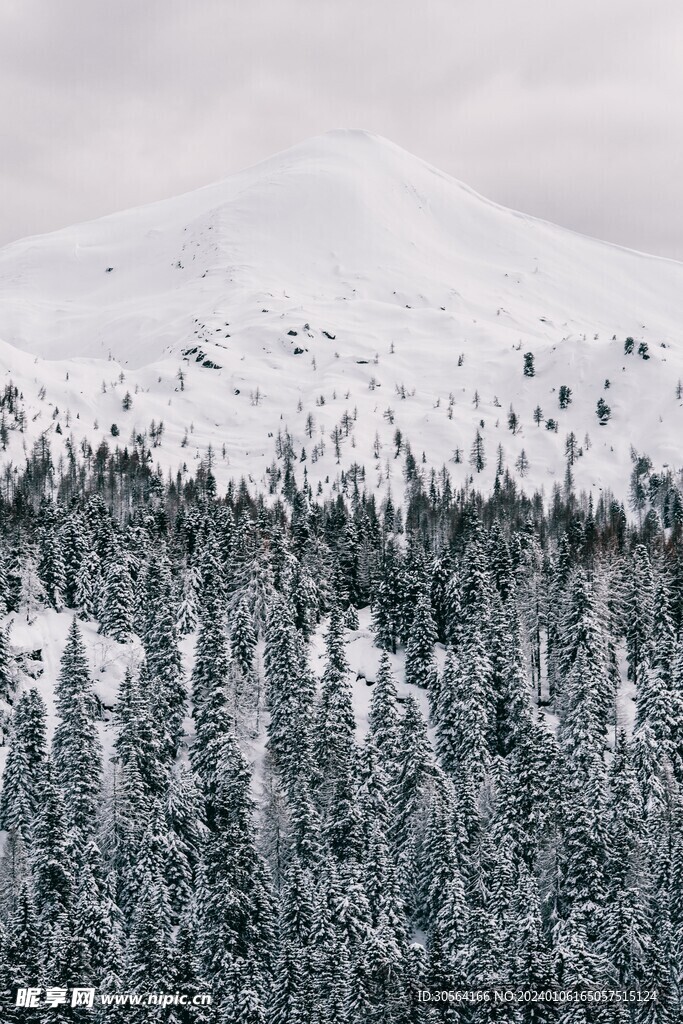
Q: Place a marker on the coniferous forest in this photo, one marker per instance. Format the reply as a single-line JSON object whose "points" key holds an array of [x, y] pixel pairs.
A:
{"points": [[505, 809]]}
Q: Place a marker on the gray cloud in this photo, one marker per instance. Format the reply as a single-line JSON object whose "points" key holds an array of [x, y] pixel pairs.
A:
{"points": [[571, 112]]}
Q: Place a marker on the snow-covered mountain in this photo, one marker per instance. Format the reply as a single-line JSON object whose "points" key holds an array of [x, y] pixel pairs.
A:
{"points": [[344, 276], [241, 799]]}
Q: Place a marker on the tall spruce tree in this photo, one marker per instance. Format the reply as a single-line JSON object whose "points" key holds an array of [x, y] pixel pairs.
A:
{"points": [[76, 750], [383, 713], [23, 775], [7, 673], [290, 692], [420, 660], [235, 904], [51, 567], [162, 655], [117, 599], [52, 855], [334, 747], [640, 610], [245, 693]]}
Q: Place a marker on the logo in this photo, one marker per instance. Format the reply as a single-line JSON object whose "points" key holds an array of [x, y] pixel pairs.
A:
{"points": [[51, 998]]}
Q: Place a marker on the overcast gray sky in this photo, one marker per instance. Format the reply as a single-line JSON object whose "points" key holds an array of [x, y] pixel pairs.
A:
{"points": [[573, 112]]}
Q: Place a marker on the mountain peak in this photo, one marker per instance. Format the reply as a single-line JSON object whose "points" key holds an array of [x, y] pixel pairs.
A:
{"points": [[338, 141], [342, 273]]}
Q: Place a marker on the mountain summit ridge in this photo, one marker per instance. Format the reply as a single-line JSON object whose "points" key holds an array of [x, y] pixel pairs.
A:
{"points": [[342, 205]]}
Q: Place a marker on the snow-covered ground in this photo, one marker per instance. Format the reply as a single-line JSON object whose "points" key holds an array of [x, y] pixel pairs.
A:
{"points": [[109, 660], [343, 276], [37, 647]]}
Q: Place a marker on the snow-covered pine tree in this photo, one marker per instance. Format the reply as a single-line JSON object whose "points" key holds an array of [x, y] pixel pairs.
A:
{"points": [[640, 610], [25, 765], [7, 674], [188, 605], [52, 861], [334, 747], [51, 567], [76, 749], [163, 663], [244, 696], [383, 713], [386, 607], [477, 453], [411, 788], [582, 635], [290, 692], [209, 708], [32, 595], [4, 586], [75, 545], [235, 905], [117, 598], [97, 922], [625, 937], [87, 585], [148, 952], [462, 714], [420, 659], [24, 937]]}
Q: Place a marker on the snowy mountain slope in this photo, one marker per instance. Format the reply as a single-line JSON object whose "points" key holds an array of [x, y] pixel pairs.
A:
{"points": [[348, 272]]}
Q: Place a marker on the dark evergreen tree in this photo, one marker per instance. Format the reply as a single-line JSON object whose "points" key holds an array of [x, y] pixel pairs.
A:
{"points": [[5, 598], [334, 748], [75, 550], [23, 940], [289, 695], [420, 660], [23, 775], [98, 927], [163, 666], [148, 961], [212, 723], [137, 741], [386, 610], [565, 396], [87, 585], [116, 606], [76, 750], [51, 565], [640, 611], [625, 937], [414, 774], [477, 454], [7, 674], [235, 905], [383, 713], [52, 863], [245, 696], [242, 638], [463, 714]]}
